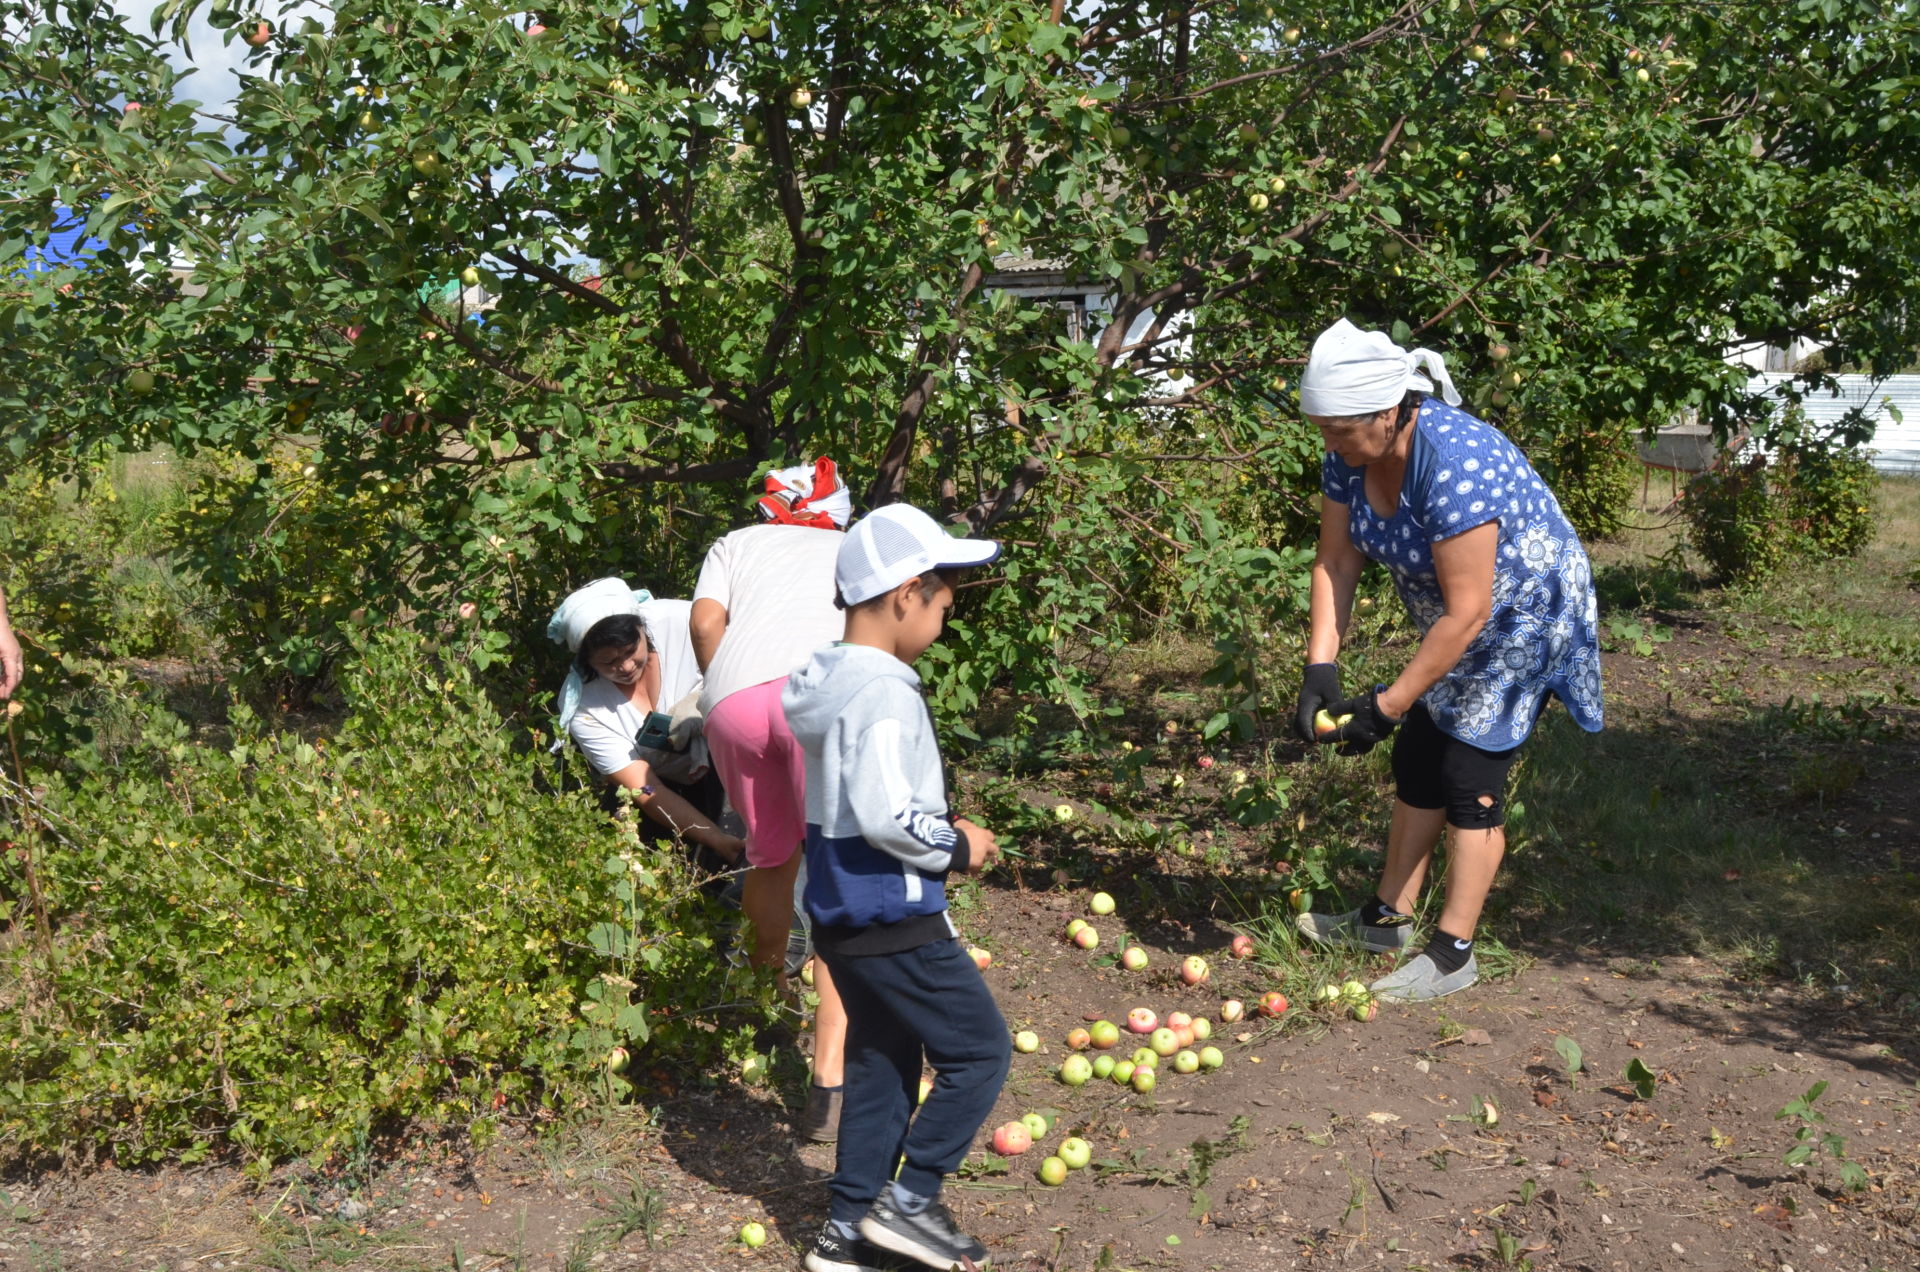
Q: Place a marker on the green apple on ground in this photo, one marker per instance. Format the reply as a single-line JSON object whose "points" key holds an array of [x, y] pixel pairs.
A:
{"points": [[1103, 1066], [1134, 959], [1210, 1058], [1122, 1071], [1364, 1012], [1026, 1042], [753, 1235], [1143, 1080], [1164, 1041], [1061, 812], [1145, 1056], [1075, 1152], [1074, 926], [1052, 1172], [1101, 903], [1035, 1124], [1185, 1062], [1075, 1070], [1103, 1034]]}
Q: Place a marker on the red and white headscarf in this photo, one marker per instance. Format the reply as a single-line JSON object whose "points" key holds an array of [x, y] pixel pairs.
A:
{"points": [[809, 495]]}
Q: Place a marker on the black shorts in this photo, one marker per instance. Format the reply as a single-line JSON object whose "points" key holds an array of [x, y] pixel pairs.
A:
{"points": [[1432, 769]]}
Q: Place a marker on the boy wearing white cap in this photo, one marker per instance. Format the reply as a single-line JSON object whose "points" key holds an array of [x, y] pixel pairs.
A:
{"points": [[1493, 575], [880, 844]]}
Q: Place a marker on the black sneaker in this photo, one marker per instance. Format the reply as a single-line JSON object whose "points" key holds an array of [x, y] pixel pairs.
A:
{"points": [[830, 1253], [928, 1237]]}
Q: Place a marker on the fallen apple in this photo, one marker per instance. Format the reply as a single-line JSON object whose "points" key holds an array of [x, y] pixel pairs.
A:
{"points": [[1329, 993], [1242, 946], [1232, 1010], [1063, 812], [1101, 903], [1011, 1139], [1210, 1058], [1074, 926], [1353, 991], [1185, 1062], [1086, 938], [752, 1235], [1078, 1039], [1143, 1080], [1134, 959], [1122, 1071], [1202, 1029], [1364, 1012], [1177, 1019], [1036, 1125], [1147, 1056], [753, 1070], [1075, 1070], [1141, 1020], [1103, 1034], [1075, 1152], [1026, 1042], [981, 958], [1194, 970], [1052, 1172], [1164, 1041], [1103, 1066], [1184, 1035], [1272, 1003]]}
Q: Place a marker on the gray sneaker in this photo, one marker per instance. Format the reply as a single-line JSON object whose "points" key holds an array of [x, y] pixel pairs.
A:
{"points": [[1419, 980], [928, 1237], [1326, 929]]}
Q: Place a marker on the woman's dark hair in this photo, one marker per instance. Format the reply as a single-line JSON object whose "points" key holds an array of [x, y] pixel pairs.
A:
{"points": [[1409, 409], [618, 631]]}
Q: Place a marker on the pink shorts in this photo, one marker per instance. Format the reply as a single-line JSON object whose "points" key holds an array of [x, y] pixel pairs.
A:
{"points": [[763, 769]]}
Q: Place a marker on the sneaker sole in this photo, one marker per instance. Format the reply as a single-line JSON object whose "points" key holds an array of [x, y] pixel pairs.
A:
{"points": [[907, 1248]]}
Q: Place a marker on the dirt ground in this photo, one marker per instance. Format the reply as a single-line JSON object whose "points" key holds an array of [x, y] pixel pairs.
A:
{"points": [[1322, 1141]]}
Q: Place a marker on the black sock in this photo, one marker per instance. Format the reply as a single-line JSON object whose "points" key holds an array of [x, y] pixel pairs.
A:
{"points": [[1377, 913], [1449, 953]]}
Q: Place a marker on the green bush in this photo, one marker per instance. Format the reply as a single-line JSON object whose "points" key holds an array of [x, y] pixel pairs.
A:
{"points": [[278, 943], [1830, 502], [1807, 492], [1594, 474], [1733, 520]]}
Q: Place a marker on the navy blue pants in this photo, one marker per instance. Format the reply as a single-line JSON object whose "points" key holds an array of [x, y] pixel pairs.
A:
{"points": [[931, 1002]]}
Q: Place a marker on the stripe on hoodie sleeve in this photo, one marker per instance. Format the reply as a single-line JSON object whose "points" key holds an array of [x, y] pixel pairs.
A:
{"points": [[923, 840]]}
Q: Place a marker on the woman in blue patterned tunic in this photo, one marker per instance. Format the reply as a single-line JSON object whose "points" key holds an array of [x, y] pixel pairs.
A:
{"points": [[1502, 592]]}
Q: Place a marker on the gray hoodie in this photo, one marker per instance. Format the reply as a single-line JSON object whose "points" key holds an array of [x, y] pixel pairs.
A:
{"points": [[879, 844]]}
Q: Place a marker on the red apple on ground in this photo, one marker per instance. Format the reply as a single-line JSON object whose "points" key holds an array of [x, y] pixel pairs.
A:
{"points": [[1012, 1139], [1202, 1028], [1194, 970], [1184, 1035], [1364, 1012], [1242, 946], [1142, 1020], [1272, 1003], [981, 958], [1176, 1019], [1079, 1039], [1086, 938]]}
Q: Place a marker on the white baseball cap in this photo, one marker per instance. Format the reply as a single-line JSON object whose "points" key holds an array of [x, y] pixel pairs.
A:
{"points": [[890, 545]]}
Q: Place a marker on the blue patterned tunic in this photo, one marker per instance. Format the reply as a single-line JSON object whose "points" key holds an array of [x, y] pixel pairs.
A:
{"points": [[1543, 636]]}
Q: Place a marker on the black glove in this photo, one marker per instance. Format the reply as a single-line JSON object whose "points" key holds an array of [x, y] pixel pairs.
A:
{"points": [[1319, 689], [1366, 727]]}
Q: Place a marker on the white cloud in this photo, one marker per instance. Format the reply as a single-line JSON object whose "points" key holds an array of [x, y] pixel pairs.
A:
{"points": [[209, 64]]}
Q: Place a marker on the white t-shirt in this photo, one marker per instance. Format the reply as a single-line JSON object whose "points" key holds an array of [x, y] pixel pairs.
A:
{"points": [[776, 583], [606, 724]]}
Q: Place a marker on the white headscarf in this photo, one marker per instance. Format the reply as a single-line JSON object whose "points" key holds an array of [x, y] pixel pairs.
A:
{"points": [[1355, 372], [602, 598]]}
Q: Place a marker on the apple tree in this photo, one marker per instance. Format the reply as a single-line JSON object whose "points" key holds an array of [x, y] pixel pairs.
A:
{"points": [[716, 235]]}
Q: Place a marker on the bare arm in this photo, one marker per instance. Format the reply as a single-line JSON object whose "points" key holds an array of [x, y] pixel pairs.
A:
{"points": [[12, 664], [661, 805], [706, 625], [1464, 565], [1337, 565]]}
